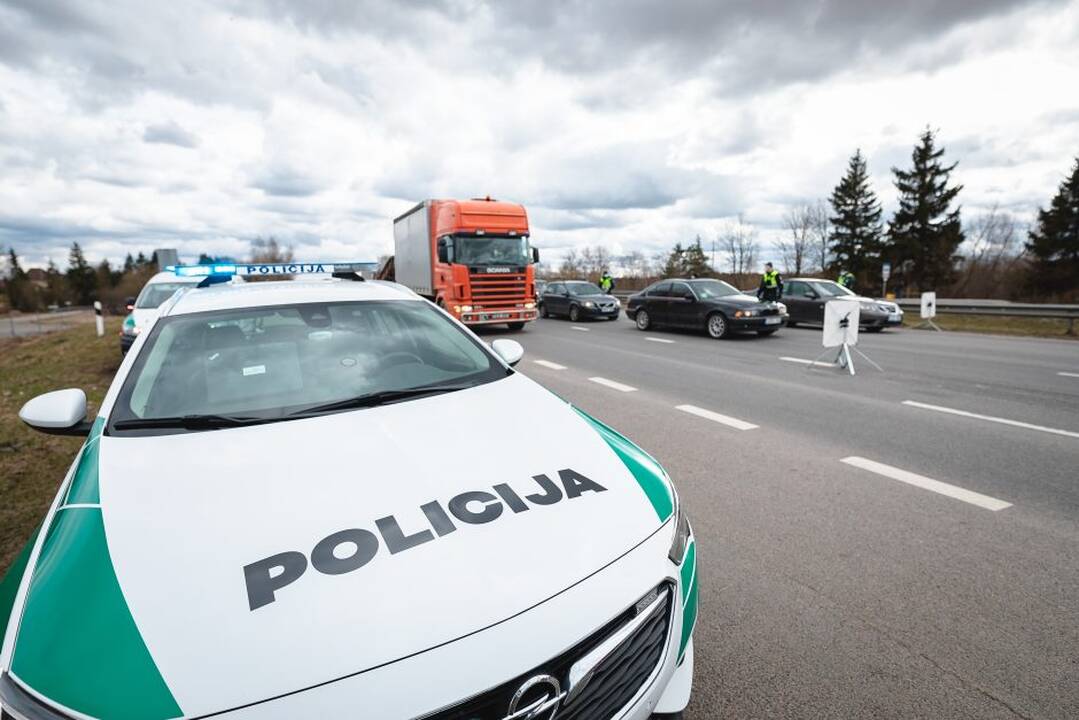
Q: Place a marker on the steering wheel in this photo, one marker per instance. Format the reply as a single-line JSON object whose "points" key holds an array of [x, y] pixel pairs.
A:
{"points": [[404, 357]]}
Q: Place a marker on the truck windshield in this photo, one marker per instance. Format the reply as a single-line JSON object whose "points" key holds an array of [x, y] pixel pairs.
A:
{"points": [[491, 250], [266, 364]]}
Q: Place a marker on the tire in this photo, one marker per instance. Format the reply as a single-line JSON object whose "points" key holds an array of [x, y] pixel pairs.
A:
{"points": [[765, 333], [668, 716], [643, 320], [873, 329], [791, 323], [543, 311], [574, 313], [515, 326], [717, 326]]}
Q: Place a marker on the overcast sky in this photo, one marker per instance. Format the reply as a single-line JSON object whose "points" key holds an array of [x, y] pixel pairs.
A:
{"points": [[132, 125]]}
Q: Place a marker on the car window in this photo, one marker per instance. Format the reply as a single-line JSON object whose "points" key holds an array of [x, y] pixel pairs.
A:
{"points": [[153, 295], [830, 289], [681, 290], [269, 362], [554, 289], [794, 288], [662, 289], [583, 288], [708, 289]]}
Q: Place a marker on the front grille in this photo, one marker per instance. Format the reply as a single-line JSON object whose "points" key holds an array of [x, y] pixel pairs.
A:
{"points": [[498, 289], [770, 311], [614, 683]]}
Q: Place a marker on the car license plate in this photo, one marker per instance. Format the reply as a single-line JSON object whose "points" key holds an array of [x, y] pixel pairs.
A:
{"points": [[894, 317], [772, 321]]}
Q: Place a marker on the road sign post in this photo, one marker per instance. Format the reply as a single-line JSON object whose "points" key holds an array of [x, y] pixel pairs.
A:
{"points": [[885, 273]]}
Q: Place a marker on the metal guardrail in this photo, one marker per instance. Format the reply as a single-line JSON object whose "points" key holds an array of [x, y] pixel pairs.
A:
{"points": [[1000, 308], [26, 324]]}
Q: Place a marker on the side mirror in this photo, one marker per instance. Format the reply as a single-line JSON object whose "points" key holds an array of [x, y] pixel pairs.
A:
{"points": [[61, 412], [535, 255], [510, 351]]}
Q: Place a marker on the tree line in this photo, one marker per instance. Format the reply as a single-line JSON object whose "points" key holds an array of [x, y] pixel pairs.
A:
{"points": [[925, 242], [81, 283]]}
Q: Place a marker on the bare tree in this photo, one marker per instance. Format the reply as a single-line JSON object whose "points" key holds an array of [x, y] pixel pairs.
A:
{"points": [[796, 248], [636, 264], [571, 264], [268, 250], [739, 242], [993, 254], [812, 221]]}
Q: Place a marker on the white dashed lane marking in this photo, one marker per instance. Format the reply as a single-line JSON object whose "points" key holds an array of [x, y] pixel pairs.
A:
{"points": [[990, 418], [549, 364], [660, 340], [716, 417], [578, 327], [612, 384], [942, 488], [1067, 374], [806, 362]]}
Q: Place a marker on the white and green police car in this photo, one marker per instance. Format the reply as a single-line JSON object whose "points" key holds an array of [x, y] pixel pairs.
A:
{"points": [[325, 500]]}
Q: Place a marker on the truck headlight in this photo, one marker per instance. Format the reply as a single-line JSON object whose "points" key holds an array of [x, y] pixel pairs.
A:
{"points": [[529, 305], [682, 533]]}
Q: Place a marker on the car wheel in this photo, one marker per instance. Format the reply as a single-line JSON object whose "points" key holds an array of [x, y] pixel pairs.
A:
{"points": [[643, 321], [717, 325], [516, 326], [574, 313], [766, 333], [543, 311], [873, 329], [791, 323]]}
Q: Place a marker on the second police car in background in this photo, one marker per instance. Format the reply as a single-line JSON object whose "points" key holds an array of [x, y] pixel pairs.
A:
{"points": [[143, 311], [322, 499]]}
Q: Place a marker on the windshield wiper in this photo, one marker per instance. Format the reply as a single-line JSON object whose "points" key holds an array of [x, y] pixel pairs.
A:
{"points": [[191, 422], [383, 397]]}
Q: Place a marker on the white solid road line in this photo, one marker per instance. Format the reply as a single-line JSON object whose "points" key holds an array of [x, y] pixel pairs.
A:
{"points": [[990, 418], [549, 364], [578, 327], [807, 362], [1066, 374], [952, 491], [612, 384], [716, 417], [661, 340]]}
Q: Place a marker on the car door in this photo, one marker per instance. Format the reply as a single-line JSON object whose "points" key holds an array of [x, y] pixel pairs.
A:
{"points": [[656, 302], [552, 298], [795, 300], [682, 306], [815, 304]]}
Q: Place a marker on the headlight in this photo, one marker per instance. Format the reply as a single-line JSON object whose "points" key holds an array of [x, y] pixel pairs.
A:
{"points": [[682, 533], [782, 308], [746, 313], [529, 305], [589, 303]]}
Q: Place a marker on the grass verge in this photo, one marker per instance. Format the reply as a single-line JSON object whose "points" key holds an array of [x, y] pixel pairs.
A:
{"points": [[32, 465], [1031, 327]]}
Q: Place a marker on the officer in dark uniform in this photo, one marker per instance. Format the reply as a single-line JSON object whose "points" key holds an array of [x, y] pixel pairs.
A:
{"points": [[771, 285]]}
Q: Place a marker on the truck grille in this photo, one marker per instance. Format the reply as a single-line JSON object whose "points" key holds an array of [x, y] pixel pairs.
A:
{"points": [[615, 681], [498, 290]]}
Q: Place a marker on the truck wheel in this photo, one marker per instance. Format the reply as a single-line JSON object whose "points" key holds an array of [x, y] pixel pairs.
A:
{"points": [[514, 327], [717, 325], [643, 321], [574, 313]]}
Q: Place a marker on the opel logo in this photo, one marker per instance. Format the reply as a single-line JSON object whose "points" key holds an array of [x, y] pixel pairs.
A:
{"points": [[537, 699]]}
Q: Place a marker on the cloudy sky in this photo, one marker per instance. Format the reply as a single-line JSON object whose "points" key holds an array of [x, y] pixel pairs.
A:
{"points": [[128, 125]]}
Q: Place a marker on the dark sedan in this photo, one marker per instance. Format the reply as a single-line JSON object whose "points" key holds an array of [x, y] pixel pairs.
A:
{"points": [[578, 300], [805, 299], [711, 305]]}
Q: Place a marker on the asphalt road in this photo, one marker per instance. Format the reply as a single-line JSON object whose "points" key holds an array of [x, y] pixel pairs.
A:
{"points": [[833, 587]]}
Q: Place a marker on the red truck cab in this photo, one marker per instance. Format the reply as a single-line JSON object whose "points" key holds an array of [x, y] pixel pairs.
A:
{"points": [[472, 257]]}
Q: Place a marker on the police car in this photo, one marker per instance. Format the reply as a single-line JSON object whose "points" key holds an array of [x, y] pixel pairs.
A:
{"points": [[156, 291], [324, 499]]}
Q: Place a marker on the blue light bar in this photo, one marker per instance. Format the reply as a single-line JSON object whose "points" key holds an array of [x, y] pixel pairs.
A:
{"points": [[267, 269]]}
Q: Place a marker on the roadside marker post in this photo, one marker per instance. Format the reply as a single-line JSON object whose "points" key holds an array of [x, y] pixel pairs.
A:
{"points": [[98, 319], [841, 331], [929, 310]]}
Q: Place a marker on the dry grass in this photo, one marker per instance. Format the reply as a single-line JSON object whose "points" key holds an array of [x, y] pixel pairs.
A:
{"points": [[1033, 327], [32, 465]]}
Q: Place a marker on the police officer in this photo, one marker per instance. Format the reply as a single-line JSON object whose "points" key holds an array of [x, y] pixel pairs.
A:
{"points": [[846, 279], [606, 282], [771, 284]]}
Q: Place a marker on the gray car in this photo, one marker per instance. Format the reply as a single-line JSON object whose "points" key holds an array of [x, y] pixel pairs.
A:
{"points": [[805, 299]]}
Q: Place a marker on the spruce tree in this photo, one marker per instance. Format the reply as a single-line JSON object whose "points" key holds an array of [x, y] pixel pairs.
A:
{"points": [[675, 264], [855, 238], [14, 281], [1054, 242], [129, 263], [695, 262], [925, 232], [81, 278]]}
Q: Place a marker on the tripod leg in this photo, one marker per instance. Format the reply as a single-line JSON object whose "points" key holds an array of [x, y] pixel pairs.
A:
{"points": [[868, 359], [846, 355]]}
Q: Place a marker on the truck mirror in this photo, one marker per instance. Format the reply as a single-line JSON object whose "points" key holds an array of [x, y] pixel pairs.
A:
{"points": [[535, 255]]}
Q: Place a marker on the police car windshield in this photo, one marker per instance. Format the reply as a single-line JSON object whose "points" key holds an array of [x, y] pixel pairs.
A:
{"points": [[491, 250], [830, 289], [153, 295], [708, 289], [274, 363], [583, 288]]}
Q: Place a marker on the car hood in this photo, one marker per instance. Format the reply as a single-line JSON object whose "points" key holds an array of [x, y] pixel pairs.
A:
{"points": [[196, 572], [738, 300]]}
